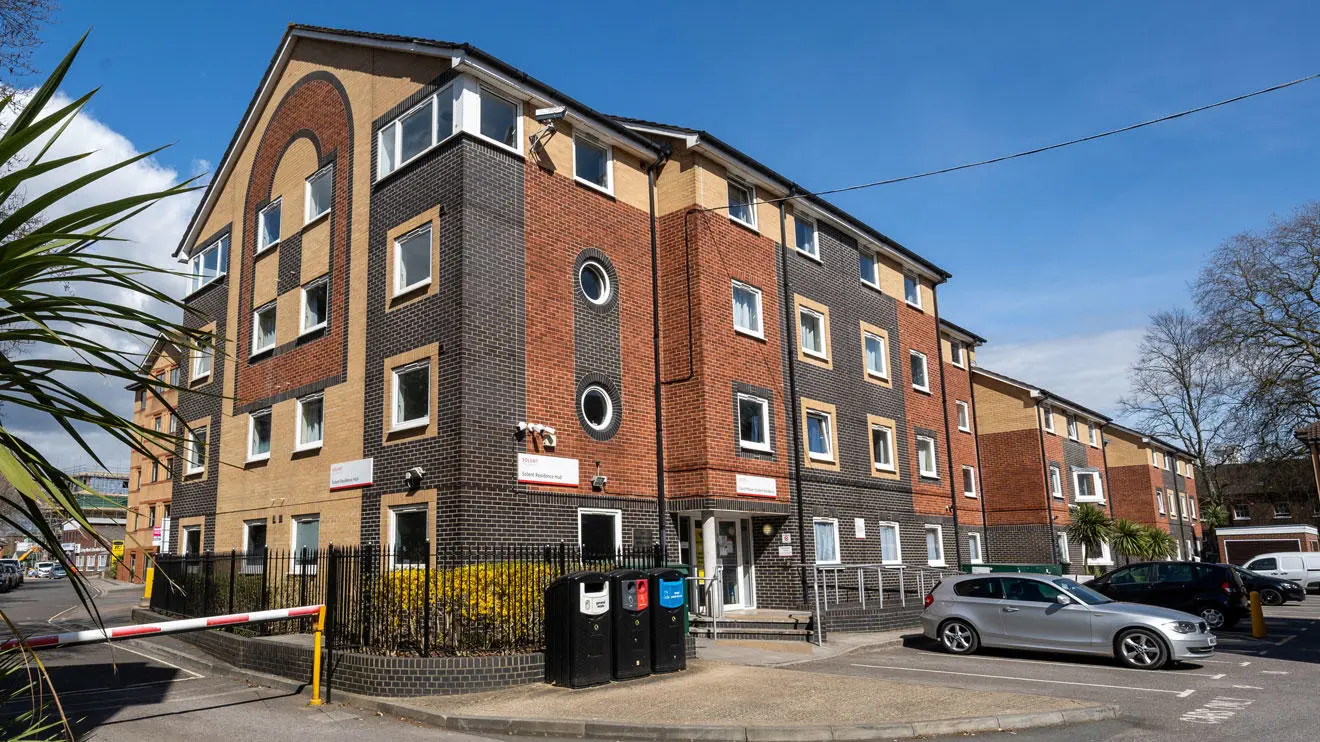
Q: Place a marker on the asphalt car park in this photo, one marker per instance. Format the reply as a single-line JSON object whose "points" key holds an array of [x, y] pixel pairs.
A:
{"points": [[1258, 687]]}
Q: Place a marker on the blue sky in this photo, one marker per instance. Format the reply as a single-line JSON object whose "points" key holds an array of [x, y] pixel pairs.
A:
{"points": [[1058, 258]]}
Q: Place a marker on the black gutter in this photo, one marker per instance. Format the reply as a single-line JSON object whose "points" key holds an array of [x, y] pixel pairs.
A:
{"points": [[790, 407], [980, 478], [662, 515], [948, 436]]}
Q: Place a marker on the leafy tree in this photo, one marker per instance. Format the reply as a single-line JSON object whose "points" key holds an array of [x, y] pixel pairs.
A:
{"points": [[1090, 527], [44, 262], [1160, 543], [1129, 539]]}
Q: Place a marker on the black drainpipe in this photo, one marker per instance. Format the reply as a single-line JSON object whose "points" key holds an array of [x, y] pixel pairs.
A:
{"points": [[662, 515], [791, 403], [1049, 496], [948, 436], [980, 478], [1177, 502]]}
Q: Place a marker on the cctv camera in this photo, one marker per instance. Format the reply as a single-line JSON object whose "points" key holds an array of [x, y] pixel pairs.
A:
{"points": [[413, 476], [554, 113], [548, 439]]}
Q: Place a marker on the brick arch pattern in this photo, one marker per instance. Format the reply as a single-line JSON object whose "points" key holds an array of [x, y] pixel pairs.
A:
{"points": [[316, 108]]}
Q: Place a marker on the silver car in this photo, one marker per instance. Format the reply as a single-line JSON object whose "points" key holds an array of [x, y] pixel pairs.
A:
{"points": [[1056, 614]]}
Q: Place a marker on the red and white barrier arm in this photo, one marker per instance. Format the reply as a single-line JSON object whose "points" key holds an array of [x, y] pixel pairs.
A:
{"points": [[119, 633]]}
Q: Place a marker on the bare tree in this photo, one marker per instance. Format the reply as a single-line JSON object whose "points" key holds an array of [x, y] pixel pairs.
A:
{"points": [[1260, 297], [1183, 388], [20, 22]]}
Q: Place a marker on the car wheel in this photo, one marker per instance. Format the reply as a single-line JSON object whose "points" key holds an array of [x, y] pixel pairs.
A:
{"points": [[1214, 618], [1270, 596], [958, 637], [1141, 650]]}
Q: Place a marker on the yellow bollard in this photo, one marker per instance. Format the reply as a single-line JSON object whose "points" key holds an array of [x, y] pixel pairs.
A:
{"points": [[1257, 616], [316, 658], [146, 591]]}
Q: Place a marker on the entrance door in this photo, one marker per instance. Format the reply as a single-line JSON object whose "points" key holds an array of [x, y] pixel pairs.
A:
{"points": [[733, 558], [728, 540]]}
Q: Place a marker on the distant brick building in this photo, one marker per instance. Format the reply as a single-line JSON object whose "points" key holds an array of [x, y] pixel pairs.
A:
{"points": [[150, 480], [1271, 507]]}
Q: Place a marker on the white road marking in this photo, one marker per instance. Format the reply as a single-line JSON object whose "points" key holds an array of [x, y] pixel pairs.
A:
{"points": [[1089, 667], [1180, 694], [1249, 687], [1244, 664], [1217, 710], [1275, 672]]}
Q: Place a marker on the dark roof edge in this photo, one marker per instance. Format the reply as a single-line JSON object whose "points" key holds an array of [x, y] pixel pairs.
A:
{"points": [[1163, 443], [963, 331], [1044, 393]]}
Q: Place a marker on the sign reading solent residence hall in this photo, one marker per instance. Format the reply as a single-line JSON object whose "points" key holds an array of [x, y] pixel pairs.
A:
{"points": [[349, 474], [755, 486], [535, 469]]}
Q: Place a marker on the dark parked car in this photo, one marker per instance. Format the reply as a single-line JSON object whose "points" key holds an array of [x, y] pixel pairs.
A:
{"points": [[1212, 591], [1273, 590]]}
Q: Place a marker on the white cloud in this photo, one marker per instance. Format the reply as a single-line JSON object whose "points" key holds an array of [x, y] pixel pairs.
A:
{"points": [[149, 238], [1090, 370]]}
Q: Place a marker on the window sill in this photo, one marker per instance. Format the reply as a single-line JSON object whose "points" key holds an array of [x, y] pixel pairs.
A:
{"points": [[413, 425], [877, 377], [263, 250], [937, 563], [873, 286], [814, 258], [970, 494], [199, 380], [1093, 500], [755, 447], [263, 458], [311, 220], [312, 329], [193, 473], [813, 356], [955, 364], [409, 290], [308, 447], [914, 306], [834, 563], [748, 333], [594, 186], [1057, 497], [886, 469], [821, 459], [923, 390], [964, 430], [932, 477], [507, 148], [204, 287], [749, 225]]}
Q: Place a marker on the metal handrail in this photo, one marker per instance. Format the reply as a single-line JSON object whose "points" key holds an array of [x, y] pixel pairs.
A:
{"points": [[714, 603], [823, 574]]}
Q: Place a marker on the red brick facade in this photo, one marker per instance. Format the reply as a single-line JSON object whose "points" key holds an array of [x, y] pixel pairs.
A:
{"points": [[916, 331], [1013, 477]]}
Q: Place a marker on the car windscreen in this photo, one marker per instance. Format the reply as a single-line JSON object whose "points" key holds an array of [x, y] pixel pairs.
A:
{"points": [[1082, 592]]}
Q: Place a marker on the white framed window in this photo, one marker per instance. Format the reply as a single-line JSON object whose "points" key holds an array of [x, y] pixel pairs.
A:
{"points": [[804, 230], [420, 128], [1087, 486], [964, 416], [1177, 466], [1191, 506], [1282, 510], [820, 436], [593, 163], [1241, 512], [912, 290], [259, 435], [974, 553], [877, 355], [1061, 544], [501, 119], [192, 540], [753, 423], [410, 544], [891, 551], [811, 330], [935, 545], [1047, 417], [195, 450], [882, 447], [1159, 501], [201, 361], [268, 226], [868, 266], [412, 260], [411, 396], [742, 203], [306, 540], [826, 532], [747, 310], [1167, 465], [1056, 482], [263, 329], [594, 282], [597, 407], [254, 544], [1104, 559], [957, 353], [920, 378], [1072, 426], [315, 306], [1187, 469], [209, 264], [310, 423], [320, 192], [927, 465], [969, 481], [1093, 433], [600, 532]]}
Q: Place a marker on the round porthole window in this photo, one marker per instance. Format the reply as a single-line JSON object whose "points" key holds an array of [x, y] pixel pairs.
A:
{"points": [[594, 282], [597, 409]]}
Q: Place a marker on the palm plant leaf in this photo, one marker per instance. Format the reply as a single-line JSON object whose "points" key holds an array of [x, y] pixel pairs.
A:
{"points": [[1129, 538]]}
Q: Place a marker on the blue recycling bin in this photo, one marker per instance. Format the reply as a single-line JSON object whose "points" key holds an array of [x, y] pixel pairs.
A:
{"points": [[668, 620]]}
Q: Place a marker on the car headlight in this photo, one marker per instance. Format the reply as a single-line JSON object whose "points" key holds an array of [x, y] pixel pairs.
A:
{"points": [[1183, 627]]}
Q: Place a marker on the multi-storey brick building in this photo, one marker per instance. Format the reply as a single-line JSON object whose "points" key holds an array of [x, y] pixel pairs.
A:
{"points": [[150, 479], [1271, 507], [1153, 482], [1041, 456], [467, 331]]}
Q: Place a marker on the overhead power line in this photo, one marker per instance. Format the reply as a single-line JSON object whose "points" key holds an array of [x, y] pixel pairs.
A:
{"points": [[1038, 150]]}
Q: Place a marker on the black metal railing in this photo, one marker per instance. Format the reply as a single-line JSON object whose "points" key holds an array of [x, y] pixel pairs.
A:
{"points": [[432, 601]]}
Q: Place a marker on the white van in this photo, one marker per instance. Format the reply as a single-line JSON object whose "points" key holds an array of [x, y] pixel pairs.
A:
{"points": [[1302, 567]]}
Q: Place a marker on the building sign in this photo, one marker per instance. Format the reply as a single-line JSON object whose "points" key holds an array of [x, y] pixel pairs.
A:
{"points": [[117, 548], [155, 536], [535, 469], [786, 551], [164, 535], [859, 527], [755, 486], [349, 474]]}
